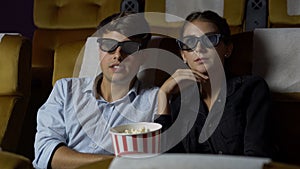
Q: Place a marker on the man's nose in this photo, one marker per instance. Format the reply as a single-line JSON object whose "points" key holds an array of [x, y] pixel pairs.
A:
{"points": [[119, 54]]}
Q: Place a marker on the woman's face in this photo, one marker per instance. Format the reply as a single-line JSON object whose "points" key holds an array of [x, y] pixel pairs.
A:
{"points": [[118, 66], [202, 58]]}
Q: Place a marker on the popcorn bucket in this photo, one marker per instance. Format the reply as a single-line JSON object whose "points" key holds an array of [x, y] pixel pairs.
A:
{"points": [[136, 139]]}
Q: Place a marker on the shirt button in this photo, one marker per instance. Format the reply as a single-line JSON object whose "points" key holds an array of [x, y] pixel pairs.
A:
{"points": [[219, 100], [94, 145]]}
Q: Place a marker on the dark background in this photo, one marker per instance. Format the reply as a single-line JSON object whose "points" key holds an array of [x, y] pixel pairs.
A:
{"points": [[16, 16]]}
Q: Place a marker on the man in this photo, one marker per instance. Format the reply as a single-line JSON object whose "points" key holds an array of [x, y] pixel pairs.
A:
{"points": [[73, 125]]}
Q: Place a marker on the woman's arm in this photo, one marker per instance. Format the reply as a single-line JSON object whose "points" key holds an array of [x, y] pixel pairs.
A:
{"points": [[257, 131]]}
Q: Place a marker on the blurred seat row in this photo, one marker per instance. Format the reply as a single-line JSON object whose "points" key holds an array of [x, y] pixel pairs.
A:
{"points": [[15, 78], [28, 69]]}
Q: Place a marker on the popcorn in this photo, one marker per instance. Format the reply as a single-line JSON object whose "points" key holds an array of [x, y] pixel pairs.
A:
{"points": [[136, 131]]}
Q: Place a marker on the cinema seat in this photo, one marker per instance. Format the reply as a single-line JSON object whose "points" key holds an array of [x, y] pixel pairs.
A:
{"points": [[276, 59], [60, 22], [15, 63], [234, 11], [14, 161], [272, 54], [279, 16]]}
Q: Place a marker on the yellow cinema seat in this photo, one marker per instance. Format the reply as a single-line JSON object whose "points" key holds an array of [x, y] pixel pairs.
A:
{"points": [[15, 65], [60, 22], [279, 17], [14, 161], [15, 75], [233, 12]]}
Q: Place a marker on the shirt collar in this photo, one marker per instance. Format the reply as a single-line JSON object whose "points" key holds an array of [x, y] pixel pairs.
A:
{"points": [[132, 93], [134, 90], [96, 84]]}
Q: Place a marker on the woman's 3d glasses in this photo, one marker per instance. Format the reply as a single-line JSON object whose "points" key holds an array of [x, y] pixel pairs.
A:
{"points": [[110, 45], [190, 42]]}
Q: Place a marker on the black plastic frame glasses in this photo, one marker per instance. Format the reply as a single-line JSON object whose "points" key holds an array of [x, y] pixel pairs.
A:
{"points": [[110, 45], [189, 43]]}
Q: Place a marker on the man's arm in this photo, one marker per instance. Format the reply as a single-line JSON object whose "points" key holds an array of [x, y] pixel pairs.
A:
{"points": [[66, 158]]}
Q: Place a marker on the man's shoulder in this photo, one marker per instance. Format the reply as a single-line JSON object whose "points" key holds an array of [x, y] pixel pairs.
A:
{"points": [[147, 89], [81, 82], [146, 93], [75, 80]]}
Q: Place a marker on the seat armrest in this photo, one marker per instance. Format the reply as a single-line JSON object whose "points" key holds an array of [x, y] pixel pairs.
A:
{"points": [[14, 161]]}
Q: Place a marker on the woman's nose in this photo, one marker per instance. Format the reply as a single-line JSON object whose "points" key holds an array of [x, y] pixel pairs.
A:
{"points": [[199, 47]]}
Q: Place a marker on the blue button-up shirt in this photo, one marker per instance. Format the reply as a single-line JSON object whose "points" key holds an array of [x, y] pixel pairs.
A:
{"points": [[78, 117]]}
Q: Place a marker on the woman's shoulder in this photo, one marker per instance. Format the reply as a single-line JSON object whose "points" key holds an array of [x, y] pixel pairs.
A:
{"points": [[247, 79], [246, 82]]}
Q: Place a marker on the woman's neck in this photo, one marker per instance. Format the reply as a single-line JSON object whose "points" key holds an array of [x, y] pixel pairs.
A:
{"points": [[205, 91]]}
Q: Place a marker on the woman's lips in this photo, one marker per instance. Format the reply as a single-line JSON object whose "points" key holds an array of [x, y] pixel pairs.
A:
{"points": [[199, 60]]}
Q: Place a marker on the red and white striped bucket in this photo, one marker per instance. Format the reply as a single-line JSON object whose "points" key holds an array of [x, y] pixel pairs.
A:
{"points": [[133, 144]]}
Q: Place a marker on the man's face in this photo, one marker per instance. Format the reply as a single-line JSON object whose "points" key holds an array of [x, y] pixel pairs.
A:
{"points": [[118, 62]]}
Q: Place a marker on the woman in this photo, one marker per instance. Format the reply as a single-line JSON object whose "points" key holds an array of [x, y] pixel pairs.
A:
{"points": [[243, 125]]}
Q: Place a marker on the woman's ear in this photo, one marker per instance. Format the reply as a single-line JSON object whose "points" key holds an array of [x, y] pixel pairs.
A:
{"points": [[183, 56], [229, 50]]}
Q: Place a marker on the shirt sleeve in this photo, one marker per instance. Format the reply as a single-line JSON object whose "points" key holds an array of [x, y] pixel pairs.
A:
{"points": [[257, 132], [50, 125], [153, 100]]}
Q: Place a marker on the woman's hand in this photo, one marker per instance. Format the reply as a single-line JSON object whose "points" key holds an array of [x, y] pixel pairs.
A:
{"points": [[182, 78]]}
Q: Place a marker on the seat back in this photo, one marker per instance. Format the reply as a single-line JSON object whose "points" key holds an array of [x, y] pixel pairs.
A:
{"points": [[284, 13], [256, 15], [14, 161], [15, 75], [233, 11], [60, 22], [276, 57]]}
